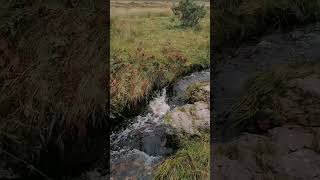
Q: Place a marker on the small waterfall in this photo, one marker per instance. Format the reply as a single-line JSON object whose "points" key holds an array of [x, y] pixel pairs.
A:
{"points": [[147, 141], [140, 143]]}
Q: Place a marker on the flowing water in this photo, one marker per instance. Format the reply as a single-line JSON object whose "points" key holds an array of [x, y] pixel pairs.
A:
{"points": [[147, 141], [141, 146]]}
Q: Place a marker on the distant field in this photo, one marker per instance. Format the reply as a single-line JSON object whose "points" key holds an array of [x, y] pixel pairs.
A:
{"points": [[143, 7]]}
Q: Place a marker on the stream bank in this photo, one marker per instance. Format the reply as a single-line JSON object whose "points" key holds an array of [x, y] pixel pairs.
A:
{"points": [[267, 109], [150, 139]]}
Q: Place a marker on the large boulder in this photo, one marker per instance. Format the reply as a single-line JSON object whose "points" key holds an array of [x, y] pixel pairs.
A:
{"points": [[190, 119], [289, 152]]}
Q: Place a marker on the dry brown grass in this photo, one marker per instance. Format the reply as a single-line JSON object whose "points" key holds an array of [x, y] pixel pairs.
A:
{"points": [[150, 11], [147, 53], [53, 78], [139, 8]]}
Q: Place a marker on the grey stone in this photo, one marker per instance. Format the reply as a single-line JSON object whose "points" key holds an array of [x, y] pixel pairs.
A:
{"points": [[190, 118]]}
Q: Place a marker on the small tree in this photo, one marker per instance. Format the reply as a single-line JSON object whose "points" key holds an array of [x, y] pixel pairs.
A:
{"points": [[189, 13]]}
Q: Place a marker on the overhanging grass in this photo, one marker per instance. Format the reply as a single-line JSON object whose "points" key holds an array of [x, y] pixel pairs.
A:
{"points": [[236, 20], [263, 91], [192, 161], [148, 52]]}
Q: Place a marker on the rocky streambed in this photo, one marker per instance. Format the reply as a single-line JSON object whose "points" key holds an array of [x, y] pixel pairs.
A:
{"points": [[155, 134]]}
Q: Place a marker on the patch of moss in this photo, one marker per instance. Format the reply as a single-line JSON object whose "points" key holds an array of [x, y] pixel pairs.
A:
{"points": [[195, 92], [167, 118], [182, 109]]}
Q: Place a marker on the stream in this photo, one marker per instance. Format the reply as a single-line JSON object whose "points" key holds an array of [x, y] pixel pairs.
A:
{"points": [[137, 149]]}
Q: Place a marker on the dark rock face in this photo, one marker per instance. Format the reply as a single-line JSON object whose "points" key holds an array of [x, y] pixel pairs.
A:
{"points": [[147, 149], [282, 139], [277, 49], [154, 143], [288, 152]]}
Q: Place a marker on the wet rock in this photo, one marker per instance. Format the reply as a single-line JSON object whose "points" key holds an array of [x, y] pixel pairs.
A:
{"points": [[190, 118], [295, 35], [291, 138], [266, 45], [225, 169], [179, 94], [134, 164], [8, 174], [302, 164], [310, 84], [254, 152], [301, 104], [287, 153], [157, 142], [95, 175]]}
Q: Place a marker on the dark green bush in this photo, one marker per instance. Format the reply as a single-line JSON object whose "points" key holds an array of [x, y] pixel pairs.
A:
{"points": [[189, 13]]}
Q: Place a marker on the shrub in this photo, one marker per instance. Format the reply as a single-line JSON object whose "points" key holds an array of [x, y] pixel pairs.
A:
{"points": [[189, 13]]}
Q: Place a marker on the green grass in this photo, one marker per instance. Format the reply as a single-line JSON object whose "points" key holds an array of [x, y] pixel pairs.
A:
{"points": [[192, 161], [149, 52]]}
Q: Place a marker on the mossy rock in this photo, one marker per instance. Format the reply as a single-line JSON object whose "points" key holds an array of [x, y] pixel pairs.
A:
{"points": [[190, 119], [198, 92]]}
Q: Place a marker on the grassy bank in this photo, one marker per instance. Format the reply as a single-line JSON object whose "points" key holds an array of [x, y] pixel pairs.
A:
{"points": [[236, 20], [52, 83], [192, 161], [151, 51]]}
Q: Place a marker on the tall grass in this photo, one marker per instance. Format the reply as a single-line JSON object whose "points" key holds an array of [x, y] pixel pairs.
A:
{"points": [[149, 52], [190, 162], [264, 91], [236, 20], [52, 79]]}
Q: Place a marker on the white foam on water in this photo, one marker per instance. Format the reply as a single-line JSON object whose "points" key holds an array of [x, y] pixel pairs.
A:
{"points": [[158, 107], [135, 154]]}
